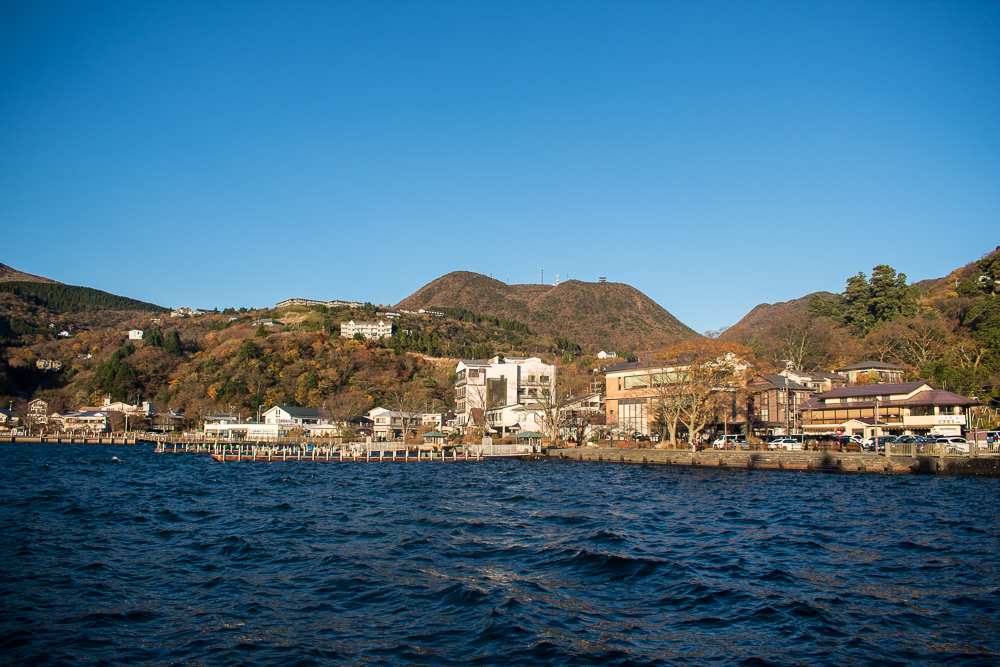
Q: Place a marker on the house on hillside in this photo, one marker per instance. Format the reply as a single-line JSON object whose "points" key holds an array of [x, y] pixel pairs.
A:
{"points": [[370, 330], [871, 372], [336, 303], [48, 364], [905, 408], [135, 334], [38, 411]]}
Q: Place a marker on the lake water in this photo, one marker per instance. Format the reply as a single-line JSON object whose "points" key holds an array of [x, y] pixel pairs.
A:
{"points": [[177, 559]]}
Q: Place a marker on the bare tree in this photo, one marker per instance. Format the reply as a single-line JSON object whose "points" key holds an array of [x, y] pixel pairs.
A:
{"points": [[476, 400], [803, 339], [668, 399], [406, 399], [552, 401], [347, 406]]}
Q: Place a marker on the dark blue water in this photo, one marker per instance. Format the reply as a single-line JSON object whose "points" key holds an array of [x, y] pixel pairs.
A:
{"points": [[176, 559]]}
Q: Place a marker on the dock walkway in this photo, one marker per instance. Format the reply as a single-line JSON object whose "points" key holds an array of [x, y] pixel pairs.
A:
{"points": [[375, 452]]}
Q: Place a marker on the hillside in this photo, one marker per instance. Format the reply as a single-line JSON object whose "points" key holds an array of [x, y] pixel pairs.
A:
{"points": [[11, 274], [610, 316], [71, 298], [766, 315]]}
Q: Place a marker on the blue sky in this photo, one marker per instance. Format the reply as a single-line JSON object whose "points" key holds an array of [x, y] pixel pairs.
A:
{"points": [[714, 155]]}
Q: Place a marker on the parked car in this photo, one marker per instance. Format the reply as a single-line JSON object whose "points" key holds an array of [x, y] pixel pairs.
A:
{"points": [[787, 444], [955, 444], [874, 444], [735, 440]]}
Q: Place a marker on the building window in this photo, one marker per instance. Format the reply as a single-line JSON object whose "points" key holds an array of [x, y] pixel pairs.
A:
{"points": [[633, 417], [636, 382]]}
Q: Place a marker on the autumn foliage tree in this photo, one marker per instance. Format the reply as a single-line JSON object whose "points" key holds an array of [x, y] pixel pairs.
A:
{"points": [[694, 381]]}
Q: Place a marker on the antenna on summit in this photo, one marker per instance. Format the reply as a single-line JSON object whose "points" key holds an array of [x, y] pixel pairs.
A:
{"points": [[543, 276]]}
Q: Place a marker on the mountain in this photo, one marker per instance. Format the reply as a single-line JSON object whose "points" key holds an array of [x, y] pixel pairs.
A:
{"points": [[610, 316], [766, 315], [8, 274]]}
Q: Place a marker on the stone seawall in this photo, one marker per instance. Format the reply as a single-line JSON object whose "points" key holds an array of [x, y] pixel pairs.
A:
{"points": [[831, 462]]}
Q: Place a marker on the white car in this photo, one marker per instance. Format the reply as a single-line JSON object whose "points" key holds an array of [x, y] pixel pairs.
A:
{"points": [[787, 444], [723, 442], [955, 444]]}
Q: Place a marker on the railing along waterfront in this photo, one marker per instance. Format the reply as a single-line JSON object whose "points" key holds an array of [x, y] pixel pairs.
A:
{"points": [[943, 449]]}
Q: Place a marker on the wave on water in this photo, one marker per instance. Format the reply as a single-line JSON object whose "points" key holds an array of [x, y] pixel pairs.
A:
{"points": [[175, 559]]}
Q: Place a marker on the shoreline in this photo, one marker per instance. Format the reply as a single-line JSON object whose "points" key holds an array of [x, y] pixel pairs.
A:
{"points": [[821, 462]]}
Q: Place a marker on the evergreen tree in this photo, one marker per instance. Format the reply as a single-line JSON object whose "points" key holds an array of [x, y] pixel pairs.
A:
{"points": [[890, 297], [172, 342], [153, 339], [855, 302]]}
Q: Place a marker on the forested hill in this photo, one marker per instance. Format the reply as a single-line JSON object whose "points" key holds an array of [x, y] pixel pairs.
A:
{"points": [[70, 298], [611, 316], [766, 315], [944, 331]]}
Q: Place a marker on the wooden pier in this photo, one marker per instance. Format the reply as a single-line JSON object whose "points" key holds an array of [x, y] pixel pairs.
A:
{"points": [[78, 439], [375, 452]]}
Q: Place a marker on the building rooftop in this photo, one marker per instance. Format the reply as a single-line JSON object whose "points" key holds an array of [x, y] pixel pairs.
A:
{"points": [[778, 381], [303, 412], [874, 390], [877, 365], [929, 396]]}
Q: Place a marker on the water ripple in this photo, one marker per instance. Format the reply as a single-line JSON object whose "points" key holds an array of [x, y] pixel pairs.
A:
{"points": [[165, 560]]}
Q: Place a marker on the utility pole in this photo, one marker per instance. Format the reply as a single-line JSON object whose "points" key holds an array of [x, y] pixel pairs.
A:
{"points": [[878, 400]]}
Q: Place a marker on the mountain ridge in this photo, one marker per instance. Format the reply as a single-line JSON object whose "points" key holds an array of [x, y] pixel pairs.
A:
{"points": [[764, 315], [611, 316]]}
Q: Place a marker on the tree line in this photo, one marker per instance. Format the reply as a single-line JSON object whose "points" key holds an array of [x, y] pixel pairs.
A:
{"points": [[71, 298]]}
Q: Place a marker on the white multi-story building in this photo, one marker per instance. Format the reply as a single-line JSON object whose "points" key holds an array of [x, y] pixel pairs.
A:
{"points": [[336, 303], [500, 390], [370, 330], [135, 334]]}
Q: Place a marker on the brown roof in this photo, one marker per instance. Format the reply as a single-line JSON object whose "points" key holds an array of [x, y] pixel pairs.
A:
{"points": [[477, 415], [778, 382], [873, 390], [928, 397], [938, 397]]}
